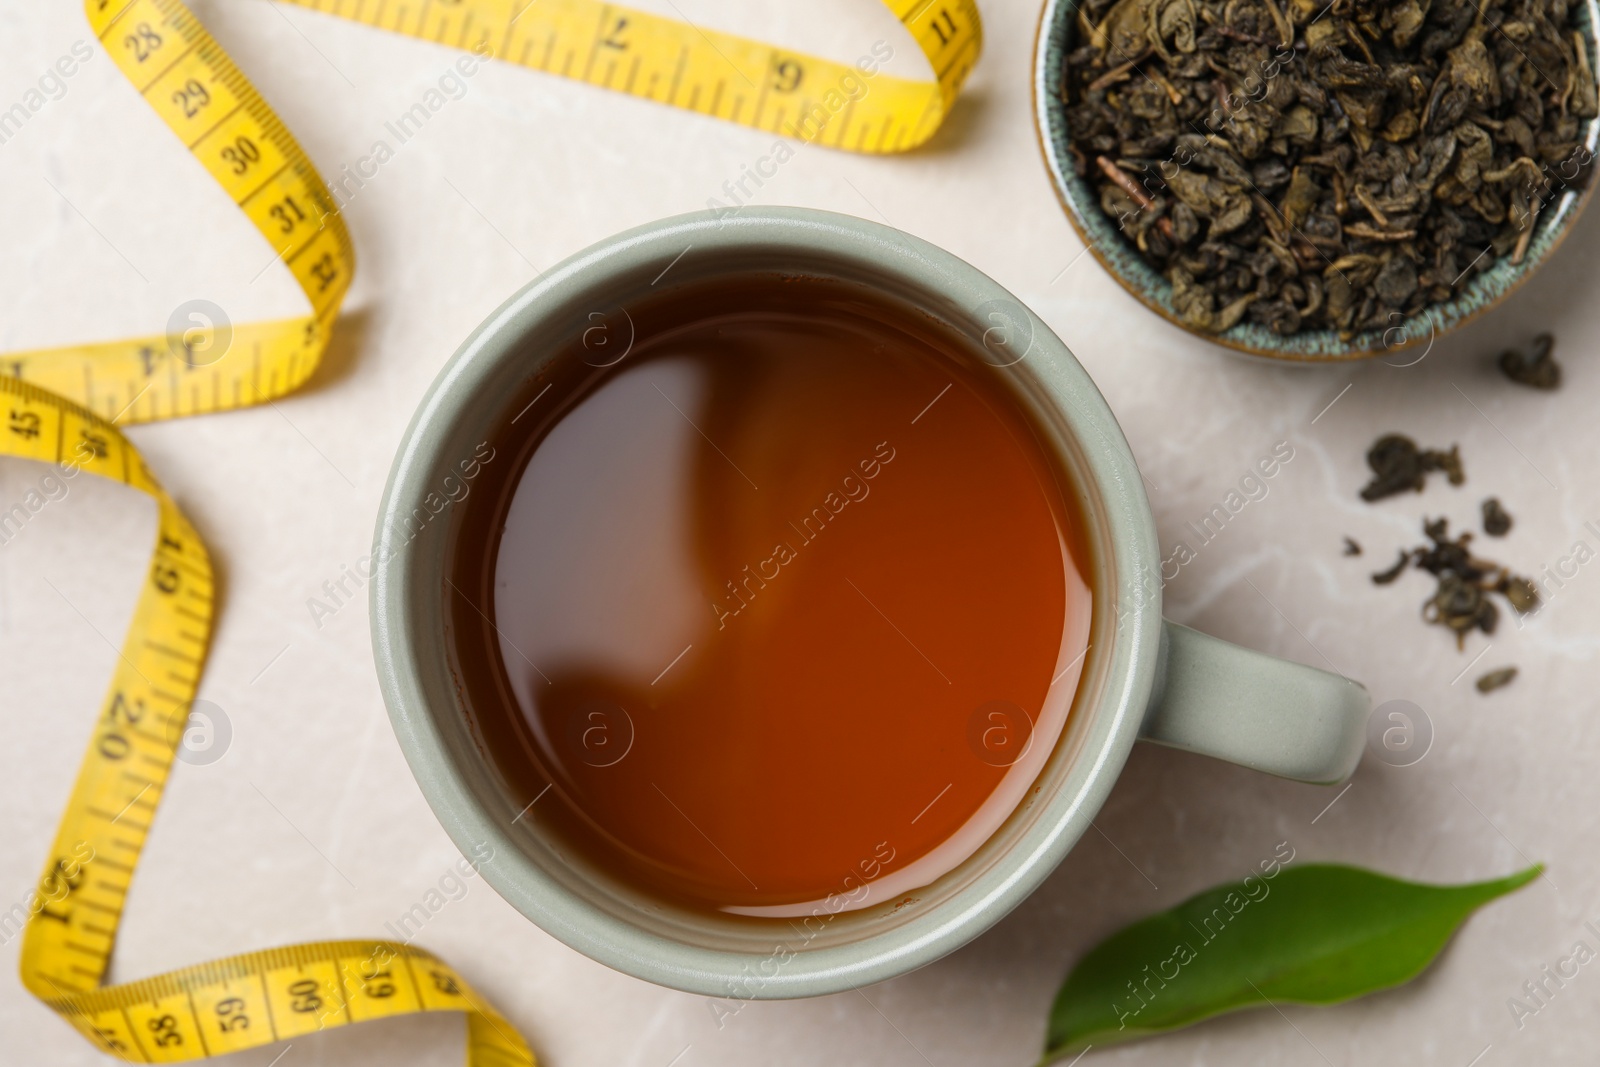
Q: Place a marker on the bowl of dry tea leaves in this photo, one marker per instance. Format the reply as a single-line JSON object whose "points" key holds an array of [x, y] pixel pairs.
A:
{"points": [[1315, 180]]}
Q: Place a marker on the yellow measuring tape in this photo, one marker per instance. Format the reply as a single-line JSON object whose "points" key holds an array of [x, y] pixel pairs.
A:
{"points": [[226, 1005], [61, 405], [717, 74]]}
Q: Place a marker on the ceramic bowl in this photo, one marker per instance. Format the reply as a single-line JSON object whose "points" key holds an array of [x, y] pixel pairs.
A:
{"points": [[1057, 37]]}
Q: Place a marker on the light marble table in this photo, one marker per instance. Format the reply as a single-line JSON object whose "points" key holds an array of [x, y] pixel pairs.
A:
{"points": [[310, 826]]}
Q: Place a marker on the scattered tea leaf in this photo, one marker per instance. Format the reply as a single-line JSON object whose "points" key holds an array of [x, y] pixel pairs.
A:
{"points": [[1398, 465], [1385, 577], [1521, 592], [1461, 601], [1351, 548], [1537, 369], [1462, 606], [1449, 462], [1496, 520], [1496, 679], [1317, 934]]}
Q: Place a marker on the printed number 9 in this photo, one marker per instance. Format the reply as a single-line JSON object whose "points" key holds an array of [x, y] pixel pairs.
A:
{"points": [[786, 76]]}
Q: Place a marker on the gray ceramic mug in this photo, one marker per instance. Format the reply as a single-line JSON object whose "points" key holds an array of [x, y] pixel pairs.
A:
{"points": [[1143, 678]]}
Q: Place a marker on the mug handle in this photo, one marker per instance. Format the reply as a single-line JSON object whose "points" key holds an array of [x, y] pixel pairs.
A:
{"points": [[1255, 710]]}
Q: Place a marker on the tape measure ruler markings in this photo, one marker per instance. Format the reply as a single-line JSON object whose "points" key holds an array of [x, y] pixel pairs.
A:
{"points": [[229, 1004], [703, 70], [195, 88], [258, 998]]}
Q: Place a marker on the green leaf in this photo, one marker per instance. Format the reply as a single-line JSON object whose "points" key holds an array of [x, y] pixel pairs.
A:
{"points": [[1316, 934]]}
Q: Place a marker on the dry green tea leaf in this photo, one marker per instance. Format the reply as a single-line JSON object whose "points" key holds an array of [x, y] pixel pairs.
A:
{"points": [[1496, 520], [1538, 368], [1352, 162], [1398, 465], [1496, 679]]}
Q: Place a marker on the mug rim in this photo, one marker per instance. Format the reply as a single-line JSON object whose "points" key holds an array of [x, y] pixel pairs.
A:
{"points": [[406, 647]]}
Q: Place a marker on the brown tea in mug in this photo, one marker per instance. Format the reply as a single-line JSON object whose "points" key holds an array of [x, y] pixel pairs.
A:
{"points": [[773, 595]]}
